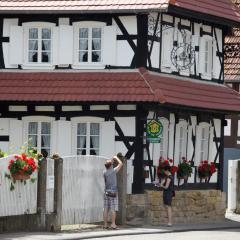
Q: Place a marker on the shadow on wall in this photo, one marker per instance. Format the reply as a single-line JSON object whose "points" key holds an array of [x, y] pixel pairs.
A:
{"points": [[229, 154]]}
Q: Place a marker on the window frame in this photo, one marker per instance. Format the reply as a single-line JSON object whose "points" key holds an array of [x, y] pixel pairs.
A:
{"points": [[39, 25], [207, 74], [88, 121], [89, 25], [39, 120]]}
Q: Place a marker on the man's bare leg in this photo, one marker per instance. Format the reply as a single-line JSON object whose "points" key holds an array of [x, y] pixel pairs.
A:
{"points": [[113, 225], [105, 217]]}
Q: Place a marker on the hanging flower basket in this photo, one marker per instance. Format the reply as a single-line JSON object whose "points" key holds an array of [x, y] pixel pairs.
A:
{"points": [[21, 168], [20, 176]]}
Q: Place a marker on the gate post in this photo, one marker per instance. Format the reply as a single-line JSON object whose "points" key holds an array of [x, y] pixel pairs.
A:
{"points": [[122, 193], [55, 219], [41, 194], [238, 189]]}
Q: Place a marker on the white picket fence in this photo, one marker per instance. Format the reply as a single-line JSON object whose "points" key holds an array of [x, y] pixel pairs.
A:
{"points": [[83, 187], [22, 200], [82, 196]]}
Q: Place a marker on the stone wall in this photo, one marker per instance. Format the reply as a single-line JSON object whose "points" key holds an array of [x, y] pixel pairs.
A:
{"points": [[188, 207]]}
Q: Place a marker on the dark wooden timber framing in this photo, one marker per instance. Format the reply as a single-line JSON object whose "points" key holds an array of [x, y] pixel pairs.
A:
{"points": [[4, 138], [231, 141], [220, 57], [221, 157], [138, 180], [141, 53], [142, 41], [218, 141], [160, 49], [152, 39], [212, 33], [2, 40], [128, 38], [189, 186]]}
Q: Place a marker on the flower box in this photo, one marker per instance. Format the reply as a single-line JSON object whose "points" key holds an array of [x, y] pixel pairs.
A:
{"points": [[20, 176]]}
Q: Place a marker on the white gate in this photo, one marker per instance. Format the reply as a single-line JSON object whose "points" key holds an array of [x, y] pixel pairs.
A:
{"points": [[232, 185], [83, 185]]}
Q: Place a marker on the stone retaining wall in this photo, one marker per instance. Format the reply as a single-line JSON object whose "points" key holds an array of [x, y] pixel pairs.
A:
{"points": [[188, 206]]}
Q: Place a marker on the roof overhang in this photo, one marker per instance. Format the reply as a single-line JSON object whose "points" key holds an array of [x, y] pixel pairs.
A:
{"points": [[136, 86], [203, 16]]}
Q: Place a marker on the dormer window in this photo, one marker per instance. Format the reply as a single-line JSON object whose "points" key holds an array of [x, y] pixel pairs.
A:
{"points": [[94, 45], [39, 45], [90, 45]]}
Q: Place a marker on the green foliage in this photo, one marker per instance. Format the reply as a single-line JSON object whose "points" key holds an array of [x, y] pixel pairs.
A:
{"points": [[184, 168], [2, 154]]}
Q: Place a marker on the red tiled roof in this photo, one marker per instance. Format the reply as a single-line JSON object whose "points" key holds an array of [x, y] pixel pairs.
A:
{"points": [[232, 54], [59, 86], [81, 5], [135, 86], [193, 93], [219, 8]]}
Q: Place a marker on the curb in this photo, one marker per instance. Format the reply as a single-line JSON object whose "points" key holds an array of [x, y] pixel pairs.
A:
{"points": [[156, 232]]}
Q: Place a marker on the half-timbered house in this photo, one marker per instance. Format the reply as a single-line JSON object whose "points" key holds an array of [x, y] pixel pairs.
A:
{"points": [[232, 79], [83, 77]]}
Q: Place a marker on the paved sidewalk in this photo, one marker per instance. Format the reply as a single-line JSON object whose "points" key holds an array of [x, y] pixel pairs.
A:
{"points": [[94, 231]]}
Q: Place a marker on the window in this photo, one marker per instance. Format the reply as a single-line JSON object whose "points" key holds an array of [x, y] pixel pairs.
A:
{"points": [[39, 45], [204, 143], [88, 138], [39, 136], [89, 44], [206, 58]]}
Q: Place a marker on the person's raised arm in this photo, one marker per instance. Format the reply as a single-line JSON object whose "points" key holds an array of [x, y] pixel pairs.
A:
{"points": [[119, 162]]}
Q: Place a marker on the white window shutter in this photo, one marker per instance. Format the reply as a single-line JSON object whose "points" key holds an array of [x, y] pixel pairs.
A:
{"points": [[210, 55], [16, 135], [216, 61], [16, 45], [107, 144], [212, 145], [167, 46], [177, 150], [165, 138], [201, 55], [109, 45], [65, 45], [197, 159], [64, 138], [55, 43], [155, 150], [54, 137]]}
